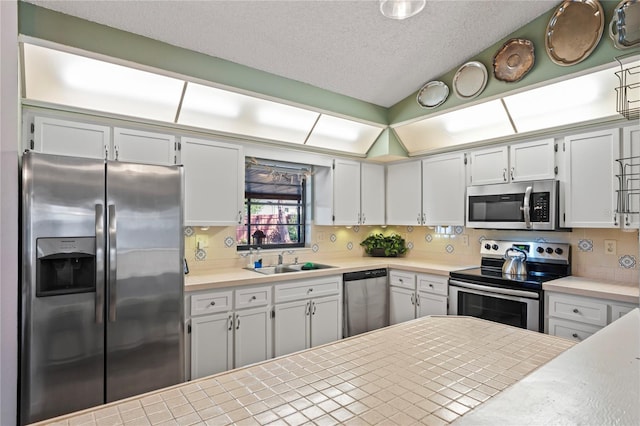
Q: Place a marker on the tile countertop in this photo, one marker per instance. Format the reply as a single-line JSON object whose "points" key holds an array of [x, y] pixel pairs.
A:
{"points": [[429, 371], [596, 382], [226, 277], [621, 292]]}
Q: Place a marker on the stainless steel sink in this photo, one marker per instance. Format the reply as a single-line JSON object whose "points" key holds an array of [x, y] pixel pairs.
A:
{"points": [[293, 267]]}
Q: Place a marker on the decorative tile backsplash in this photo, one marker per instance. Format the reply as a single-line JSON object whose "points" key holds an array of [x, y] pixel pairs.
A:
{"points": [[425, 243]]}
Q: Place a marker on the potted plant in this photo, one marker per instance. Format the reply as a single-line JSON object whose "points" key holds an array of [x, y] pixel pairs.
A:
{"points": [[378, 245]]}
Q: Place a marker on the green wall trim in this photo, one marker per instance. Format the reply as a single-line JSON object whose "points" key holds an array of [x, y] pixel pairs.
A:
{"points": [[387, 144], [544, 69], [45, 24]]}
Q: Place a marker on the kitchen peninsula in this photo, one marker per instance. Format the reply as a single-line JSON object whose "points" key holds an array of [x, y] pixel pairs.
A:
{"points": [[430, 371]]}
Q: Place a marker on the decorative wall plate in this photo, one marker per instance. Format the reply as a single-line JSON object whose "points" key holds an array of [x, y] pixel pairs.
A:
{"points": [[470, 80], [573, 31], [514, 60], [433, 94], [624, 28]]}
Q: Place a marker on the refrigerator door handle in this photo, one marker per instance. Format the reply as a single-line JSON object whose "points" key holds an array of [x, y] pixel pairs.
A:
{"points": [[112, 262], [99, 263]]}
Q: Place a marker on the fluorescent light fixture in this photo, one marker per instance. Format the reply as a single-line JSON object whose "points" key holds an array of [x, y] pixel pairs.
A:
{"points": [[68, 79], [286, 117], [579, 99], [343, 135], [210, 101], [471, 124], [401, 9]]}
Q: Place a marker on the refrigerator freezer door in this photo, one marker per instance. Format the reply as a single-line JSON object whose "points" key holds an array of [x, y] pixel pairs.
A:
{"points": [[62, 333], [145, 276]]}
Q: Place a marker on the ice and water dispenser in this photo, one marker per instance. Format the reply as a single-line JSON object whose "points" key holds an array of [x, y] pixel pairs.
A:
{"points": [[65, 266]]}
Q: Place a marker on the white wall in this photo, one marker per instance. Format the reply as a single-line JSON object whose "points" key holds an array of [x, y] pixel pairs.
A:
{"points": [[9, 124]]}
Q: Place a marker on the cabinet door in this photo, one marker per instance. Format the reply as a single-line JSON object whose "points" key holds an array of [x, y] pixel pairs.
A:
{"points": [[401, 305], [252, 336], [532, 161], [325, 320], [372, 194], [430, 304], [214, 183], [404, 194], [590, 187], [144, 147], [211, 345], [631, 151], [62, 137], [443, 190], [346, 192], [489, 165], [291, 327]]}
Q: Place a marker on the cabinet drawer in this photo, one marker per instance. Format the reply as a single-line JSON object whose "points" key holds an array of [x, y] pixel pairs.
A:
{"points": [[252, 297], [209, 303], [571, 330], [578, 309], [402, 279], [433, 284], [306, 289]]}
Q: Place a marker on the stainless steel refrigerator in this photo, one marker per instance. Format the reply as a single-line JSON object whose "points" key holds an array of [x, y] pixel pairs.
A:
{"points": [[102, 282]]}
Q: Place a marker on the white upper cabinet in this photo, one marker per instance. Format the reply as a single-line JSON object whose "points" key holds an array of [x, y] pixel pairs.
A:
{"points": [[372, 194], [136, 146], [404, 193], [350, 193], [65, 137], [214, 182], [443, 190], [515, 163], [629, 166], [590, 182]]}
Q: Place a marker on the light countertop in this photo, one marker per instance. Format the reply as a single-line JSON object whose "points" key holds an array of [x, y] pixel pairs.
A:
{"points": [[621, 292], [596, 382], [226, 277], [429, 371]]}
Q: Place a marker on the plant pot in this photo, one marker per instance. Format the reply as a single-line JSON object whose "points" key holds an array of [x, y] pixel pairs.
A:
{"points": [[379, 252]]}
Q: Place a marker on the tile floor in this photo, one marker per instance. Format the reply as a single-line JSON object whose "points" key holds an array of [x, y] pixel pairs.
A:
{"points": [[428, 371]]}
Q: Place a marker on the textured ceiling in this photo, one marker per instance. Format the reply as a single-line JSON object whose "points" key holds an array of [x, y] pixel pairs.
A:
{"points": [[346, 47]]}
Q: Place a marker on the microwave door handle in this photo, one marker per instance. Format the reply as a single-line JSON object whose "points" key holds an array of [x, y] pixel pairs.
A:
{"points": [[526, 207]]}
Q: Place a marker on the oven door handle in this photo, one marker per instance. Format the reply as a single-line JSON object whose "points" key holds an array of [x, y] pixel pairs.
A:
{"points": [[526, 206], [495, 290]]}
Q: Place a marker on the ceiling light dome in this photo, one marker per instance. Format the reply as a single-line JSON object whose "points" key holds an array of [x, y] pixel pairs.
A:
{"points": [[401, 9]]}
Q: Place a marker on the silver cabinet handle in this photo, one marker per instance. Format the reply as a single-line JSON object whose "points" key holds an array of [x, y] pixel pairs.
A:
{"points": [[512, 170], [364, 219], [417, 300], [424, 218], [237, 322], [504, 174], [314, 308], [418, 218], [99, 263], [307, 309], [113, 227], [412, 299], [230, 320], [239, 217]]}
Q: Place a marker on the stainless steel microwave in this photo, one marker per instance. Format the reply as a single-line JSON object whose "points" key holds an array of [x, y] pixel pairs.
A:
{"points": [[522, 205]]}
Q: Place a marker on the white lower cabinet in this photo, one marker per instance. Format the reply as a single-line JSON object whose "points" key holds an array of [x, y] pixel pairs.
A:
{"points": [[416, 295], [306, 314], [578, 317], [229, 329]]}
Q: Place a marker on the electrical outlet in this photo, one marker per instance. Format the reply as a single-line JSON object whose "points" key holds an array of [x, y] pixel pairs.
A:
{"points": [[465, 240], [610, 247], [202, 241]]}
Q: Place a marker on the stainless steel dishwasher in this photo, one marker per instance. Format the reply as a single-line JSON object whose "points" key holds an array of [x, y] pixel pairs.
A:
{"points": [[366, 301]]}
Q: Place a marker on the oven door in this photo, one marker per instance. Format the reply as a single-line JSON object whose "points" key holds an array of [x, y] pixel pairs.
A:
{"points": [[519, 308]]}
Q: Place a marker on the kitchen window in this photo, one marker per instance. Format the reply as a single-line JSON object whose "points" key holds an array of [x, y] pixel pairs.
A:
{"points": [[274, 205]]}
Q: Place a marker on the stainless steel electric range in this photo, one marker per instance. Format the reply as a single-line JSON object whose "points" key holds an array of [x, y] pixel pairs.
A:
{"points": [[486, 292]]}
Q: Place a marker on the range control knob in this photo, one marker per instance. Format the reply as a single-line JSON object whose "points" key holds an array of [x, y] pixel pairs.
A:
{"points": [[495, 247], [549, 250], [540, 250], [487, 246], [559, 251]]}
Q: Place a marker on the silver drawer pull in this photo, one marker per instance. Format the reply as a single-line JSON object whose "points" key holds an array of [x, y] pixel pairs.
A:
{"points": [[576, 311], [213, 302], [431, 285], [574, 335], [252, 298]]}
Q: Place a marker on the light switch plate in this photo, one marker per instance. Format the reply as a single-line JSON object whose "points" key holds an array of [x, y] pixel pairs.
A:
{"points": [[610, 247]]}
